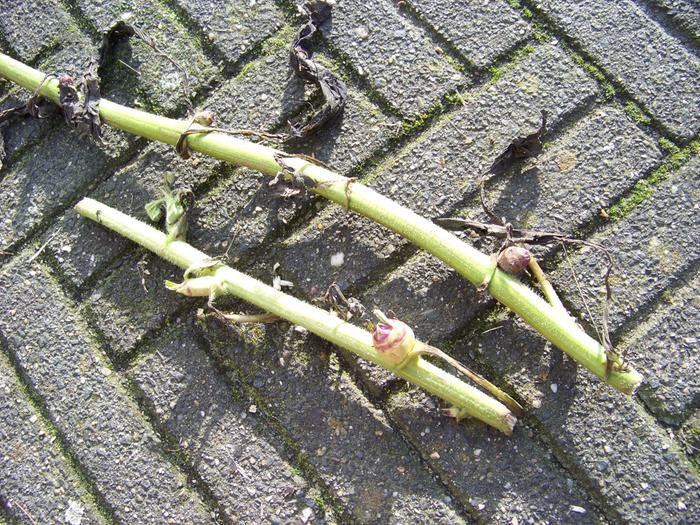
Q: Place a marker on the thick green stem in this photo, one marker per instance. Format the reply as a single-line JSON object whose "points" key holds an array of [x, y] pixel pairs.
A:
{"points": [[320, 322], [554, 325]]}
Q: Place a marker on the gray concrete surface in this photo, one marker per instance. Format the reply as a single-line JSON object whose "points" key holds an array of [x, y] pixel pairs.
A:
{"points": [[118, 406]]}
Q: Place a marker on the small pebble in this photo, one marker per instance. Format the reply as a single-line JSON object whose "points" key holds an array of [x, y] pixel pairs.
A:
{"points": [[554, 387], [252, 409], [435, 456], [306, 515], [577, 509], [337, 259]]}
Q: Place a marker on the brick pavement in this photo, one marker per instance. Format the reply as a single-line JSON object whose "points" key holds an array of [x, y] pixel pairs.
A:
{"points": [[118, 407]]}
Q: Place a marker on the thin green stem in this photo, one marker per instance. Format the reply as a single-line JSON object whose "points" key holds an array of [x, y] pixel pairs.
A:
{"points": [[477, 267], [547, 288], [320, 322]]}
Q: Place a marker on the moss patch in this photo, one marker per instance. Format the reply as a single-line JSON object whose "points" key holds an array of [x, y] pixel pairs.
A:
{"points": [[608, 88], [645, 188], [636, 113]]}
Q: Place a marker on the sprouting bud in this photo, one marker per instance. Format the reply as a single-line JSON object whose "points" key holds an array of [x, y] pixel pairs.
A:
{"points": [[514, 259], [393, 339], [455, 412], [205, 286], [65, 80], [204, 118]]}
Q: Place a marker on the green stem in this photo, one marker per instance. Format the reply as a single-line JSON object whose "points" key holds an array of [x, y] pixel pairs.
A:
{"points": [[320, 322], [547, 288], [554, 325]]}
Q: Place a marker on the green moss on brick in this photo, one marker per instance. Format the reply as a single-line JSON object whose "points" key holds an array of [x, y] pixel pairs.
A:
{"points": [[668, 146], [608, 88], [645, 188], [636, 113]]}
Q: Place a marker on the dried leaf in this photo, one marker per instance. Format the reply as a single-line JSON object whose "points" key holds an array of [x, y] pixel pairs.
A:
{"points": [[521, 148], [333, 90]]}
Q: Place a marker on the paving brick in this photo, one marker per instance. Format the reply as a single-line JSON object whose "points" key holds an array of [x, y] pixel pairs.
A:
{"points": [[230, 451], [494, 27], [684, 13], [397, 58], [504, 479], [433, 176], [357, 454], [652, 65], [602, 156], [652, 246], [36, 25], [158, 82], [665, 349], [241, 210], [89, 404], [235, 27], [21, 132], [35, 478], [601, 435], [49, 177]]}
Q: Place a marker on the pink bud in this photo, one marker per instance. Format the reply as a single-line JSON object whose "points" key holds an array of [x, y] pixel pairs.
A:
{"points": [[393, 339], [65, 80], [514, 259]]}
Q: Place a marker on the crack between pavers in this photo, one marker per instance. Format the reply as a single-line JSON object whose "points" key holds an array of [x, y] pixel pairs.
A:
{"points": [[291, 451]]}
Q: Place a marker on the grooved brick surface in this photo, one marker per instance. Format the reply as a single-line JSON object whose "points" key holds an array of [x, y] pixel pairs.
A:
{"points": [[469, 456], [35, 478], [605, 437], [396, 58], [357, 454], [33, 26], [666, 349], [684, 13], [493, 27], [114, 397], [652, 249], [652, 65], [37, 186], [150, 78], [234, 26], [89, 404], [247, 476]]}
